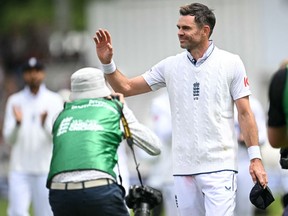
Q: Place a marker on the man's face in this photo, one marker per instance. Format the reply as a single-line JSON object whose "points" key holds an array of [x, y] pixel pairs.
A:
{"points": [[190, 34], [33, 77]]}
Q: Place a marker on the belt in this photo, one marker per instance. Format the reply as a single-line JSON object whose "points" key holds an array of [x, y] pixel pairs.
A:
{"points": [[80, 185]]}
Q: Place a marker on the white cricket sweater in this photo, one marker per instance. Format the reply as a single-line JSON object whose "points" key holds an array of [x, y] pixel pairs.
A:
{"points": [[201, 100], [31, 143]]}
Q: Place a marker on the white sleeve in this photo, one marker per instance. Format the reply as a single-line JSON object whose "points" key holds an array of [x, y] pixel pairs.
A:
{"points": [[143, 137], [155, 76], [54, 110], [240, 83]]}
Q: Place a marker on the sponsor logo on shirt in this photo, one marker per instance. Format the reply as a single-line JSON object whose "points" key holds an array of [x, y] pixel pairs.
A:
{"points": [[246, 82], [70, 124], [95, 103]]}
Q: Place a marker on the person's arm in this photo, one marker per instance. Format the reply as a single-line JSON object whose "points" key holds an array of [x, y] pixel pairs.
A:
{"points": [[143, 137], [249, 130], [278, 137], [260, 119], [118, 81], [247, 122], [12, 122]]}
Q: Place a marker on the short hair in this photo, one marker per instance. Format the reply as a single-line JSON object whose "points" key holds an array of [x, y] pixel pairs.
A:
{"points": [[203, 15]]}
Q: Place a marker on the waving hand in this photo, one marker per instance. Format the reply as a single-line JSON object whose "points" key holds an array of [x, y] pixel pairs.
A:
{"points": [[104, 47]]}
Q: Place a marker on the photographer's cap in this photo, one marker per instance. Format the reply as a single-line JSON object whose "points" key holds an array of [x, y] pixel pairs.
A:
{"points": [[88, 82]]}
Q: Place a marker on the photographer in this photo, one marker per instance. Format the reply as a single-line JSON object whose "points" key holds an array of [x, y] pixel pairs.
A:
{"points": [[278, 118], [86, 136]]}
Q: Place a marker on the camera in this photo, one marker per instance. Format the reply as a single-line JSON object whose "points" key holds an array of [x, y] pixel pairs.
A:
{"points": [[142, 199], [284, 158]]}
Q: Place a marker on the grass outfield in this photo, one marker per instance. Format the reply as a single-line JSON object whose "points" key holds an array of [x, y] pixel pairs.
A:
{"points": [[274, 210], [3, 207]]}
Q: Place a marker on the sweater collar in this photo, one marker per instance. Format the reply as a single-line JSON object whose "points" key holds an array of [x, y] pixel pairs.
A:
{"points": [[204, 57]]}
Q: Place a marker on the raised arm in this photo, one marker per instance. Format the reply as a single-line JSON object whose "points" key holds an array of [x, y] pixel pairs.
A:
{"points": [[118, 81]]}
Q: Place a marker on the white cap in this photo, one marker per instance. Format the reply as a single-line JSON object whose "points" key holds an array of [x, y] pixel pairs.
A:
{"points": [[88, 82]]}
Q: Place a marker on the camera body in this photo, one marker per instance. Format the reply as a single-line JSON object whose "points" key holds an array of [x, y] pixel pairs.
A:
{"points": [[284, 158], [142, 199]]}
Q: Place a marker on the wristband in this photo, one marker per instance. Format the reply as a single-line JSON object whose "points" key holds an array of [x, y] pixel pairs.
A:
{"points": [[109, 68], [254, 152]]}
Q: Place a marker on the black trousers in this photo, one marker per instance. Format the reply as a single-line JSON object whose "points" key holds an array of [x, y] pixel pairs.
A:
{"points": [[97, 201]]}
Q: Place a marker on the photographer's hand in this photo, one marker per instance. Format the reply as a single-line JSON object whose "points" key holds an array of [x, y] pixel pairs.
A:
{"points": [[117, 96]]}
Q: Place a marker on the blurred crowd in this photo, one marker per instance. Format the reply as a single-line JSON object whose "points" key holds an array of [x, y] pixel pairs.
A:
{"points": [[16, 46]]}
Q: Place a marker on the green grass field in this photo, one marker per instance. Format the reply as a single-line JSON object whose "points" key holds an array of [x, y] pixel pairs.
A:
{"points": [[3, 207], [274, 210]]}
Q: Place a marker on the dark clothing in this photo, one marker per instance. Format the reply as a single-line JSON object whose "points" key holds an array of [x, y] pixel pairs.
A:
{"points": [[278, 112], [277, 92], [285, 212], [107, 200]]}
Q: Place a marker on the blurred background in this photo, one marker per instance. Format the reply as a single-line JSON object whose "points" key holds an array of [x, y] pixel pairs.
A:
{"points": [[60, 33]]}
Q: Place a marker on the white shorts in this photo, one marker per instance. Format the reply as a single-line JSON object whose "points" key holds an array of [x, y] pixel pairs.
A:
{"points": [[206, 194]]}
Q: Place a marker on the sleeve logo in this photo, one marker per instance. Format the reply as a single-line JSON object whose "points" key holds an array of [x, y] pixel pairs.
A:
{"points": [[246, 82]]}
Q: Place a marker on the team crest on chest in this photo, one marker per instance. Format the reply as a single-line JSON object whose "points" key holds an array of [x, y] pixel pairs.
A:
{"points": [[196, 90]]}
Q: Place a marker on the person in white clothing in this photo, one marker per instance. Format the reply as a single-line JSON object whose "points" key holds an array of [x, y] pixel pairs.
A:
{"points": [[244, 183], [203, 83], [27, 128], [161, 176]]}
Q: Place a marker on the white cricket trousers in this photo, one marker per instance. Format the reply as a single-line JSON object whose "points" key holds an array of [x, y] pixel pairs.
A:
{"points": [[24, 188], [206, 194]]}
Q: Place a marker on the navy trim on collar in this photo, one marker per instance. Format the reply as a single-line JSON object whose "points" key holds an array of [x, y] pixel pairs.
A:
{"points": [[203, 58]]}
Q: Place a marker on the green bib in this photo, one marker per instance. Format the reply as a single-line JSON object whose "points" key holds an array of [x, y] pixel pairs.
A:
{"points": [[86, 135]]}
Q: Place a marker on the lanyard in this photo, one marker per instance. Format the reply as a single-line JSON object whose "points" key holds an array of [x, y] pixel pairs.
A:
{"points": [[129, 139]]}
